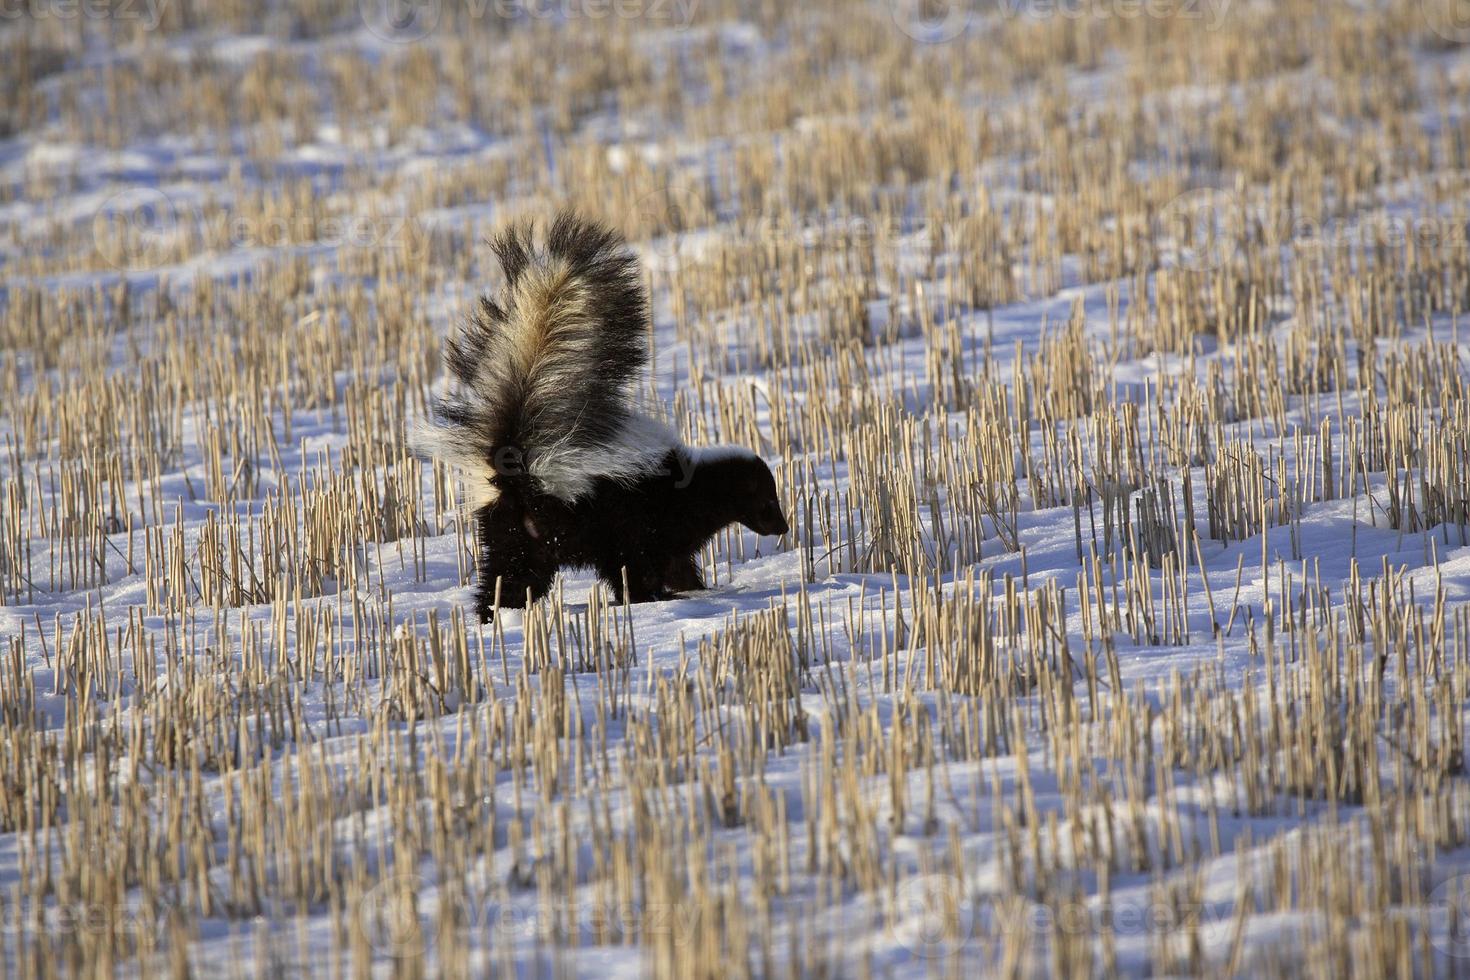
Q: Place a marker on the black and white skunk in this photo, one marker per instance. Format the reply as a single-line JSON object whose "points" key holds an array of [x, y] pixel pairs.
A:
{"points": [[561, 470]]}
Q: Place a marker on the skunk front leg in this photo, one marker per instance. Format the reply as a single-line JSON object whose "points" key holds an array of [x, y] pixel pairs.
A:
{"points": [[517, 588], [683, 574], [509, 555]]}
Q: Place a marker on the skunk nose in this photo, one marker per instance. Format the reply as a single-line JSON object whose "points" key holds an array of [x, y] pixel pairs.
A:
{"points": [[766, 519]]}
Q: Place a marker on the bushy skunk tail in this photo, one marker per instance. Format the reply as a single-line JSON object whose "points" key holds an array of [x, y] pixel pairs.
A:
{"points": [[544, 375]]}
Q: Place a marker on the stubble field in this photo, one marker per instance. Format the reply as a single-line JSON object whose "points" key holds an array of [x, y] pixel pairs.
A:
{"points": [[1108, 358]]}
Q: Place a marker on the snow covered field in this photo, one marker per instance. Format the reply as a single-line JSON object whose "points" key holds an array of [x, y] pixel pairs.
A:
{"points": [[1109, 359]]}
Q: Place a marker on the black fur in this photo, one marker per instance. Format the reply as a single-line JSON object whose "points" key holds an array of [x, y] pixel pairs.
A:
{"points": [[543, 412], [654, 529]]}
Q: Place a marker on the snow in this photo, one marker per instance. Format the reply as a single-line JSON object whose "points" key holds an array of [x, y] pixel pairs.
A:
{"points": [[903, 935]]}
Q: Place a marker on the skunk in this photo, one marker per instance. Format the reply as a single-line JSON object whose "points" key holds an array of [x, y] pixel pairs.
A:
{"points": [[561, 470]]}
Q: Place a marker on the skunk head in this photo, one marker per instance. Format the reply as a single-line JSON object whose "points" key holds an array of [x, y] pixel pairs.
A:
{"points": [[745, 480], [763, 511]]}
